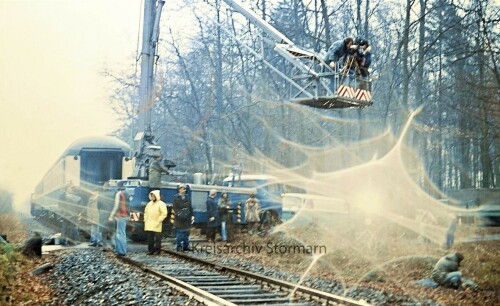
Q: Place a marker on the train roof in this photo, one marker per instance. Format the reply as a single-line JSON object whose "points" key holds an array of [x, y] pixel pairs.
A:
{"points": [[97, 142], [252, 177]]}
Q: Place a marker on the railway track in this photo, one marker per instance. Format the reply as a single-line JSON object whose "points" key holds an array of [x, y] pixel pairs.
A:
{"points": [[214, 284]]}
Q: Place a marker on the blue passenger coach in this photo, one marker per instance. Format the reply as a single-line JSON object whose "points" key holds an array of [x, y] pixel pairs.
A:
{"points": [[86, 164]]}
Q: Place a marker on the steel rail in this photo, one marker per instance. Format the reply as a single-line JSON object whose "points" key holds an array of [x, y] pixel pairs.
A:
{"points": [[198, 294], [312, 293]]}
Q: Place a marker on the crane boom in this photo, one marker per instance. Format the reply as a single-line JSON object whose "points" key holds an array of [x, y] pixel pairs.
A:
{"points": [[281, 44], [150, 33], [311, 83], [259, 22]]}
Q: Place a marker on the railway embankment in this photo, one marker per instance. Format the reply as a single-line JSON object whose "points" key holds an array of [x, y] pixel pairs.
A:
{"points": [[95, 276]]}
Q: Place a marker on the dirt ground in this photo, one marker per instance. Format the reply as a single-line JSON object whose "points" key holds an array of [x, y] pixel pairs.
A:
{"points": [[381, 256]]}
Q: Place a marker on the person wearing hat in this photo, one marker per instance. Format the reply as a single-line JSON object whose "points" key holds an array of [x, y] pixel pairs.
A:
{"points": [[212, 215], [154, 214], [183, 211], [252, 212]]}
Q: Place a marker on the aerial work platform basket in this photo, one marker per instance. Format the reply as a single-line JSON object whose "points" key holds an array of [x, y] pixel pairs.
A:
{"points": [[315, 84], [337, 94], [343, 96]]}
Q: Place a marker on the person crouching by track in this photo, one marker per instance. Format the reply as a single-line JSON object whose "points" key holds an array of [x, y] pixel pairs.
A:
{"points": [[183, 212], [154, 214], [212, 215], [446, 272], [120, 212]]}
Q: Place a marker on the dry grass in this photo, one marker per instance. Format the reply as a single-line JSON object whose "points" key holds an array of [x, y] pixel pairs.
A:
{"points": [[11, 226], [383, 256]]}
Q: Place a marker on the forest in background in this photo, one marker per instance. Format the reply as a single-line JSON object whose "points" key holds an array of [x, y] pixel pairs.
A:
{"points": [[216, 104]]}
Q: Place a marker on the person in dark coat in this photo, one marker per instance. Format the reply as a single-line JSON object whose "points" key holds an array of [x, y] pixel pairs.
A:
{"points": [[212, 215], [183, 212], [363, 62], [336, 56], [338, 50]]}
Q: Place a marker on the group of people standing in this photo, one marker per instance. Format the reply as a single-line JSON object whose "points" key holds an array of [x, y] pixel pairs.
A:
{"points": [[219, 218], [101, 209], [108, 214], [156, 211], [117, 210], [219, 215]]}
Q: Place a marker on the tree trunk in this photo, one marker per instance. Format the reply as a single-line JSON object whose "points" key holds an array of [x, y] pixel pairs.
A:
{"points": [[406, 55], [419, 82], [366, 28], [358, 18], [324, 13], [218, 66]]}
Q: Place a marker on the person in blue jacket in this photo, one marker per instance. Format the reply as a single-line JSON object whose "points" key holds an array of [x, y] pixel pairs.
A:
{"points": [[336, 57], [338, 50]]}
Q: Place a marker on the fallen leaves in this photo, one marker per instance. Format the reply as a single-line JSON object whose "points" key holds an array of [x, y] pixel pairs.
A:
{"points": [[26, 289]]}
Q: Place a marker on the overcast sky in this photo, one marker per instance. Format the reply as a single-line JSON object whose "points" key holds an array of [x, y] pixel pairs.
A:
{"points": [[52, 54]]}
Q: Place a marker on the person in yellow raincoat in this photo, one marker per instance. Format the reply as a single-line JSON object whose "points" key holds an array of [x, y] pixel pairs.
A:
{"points": [[154, 214]]}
